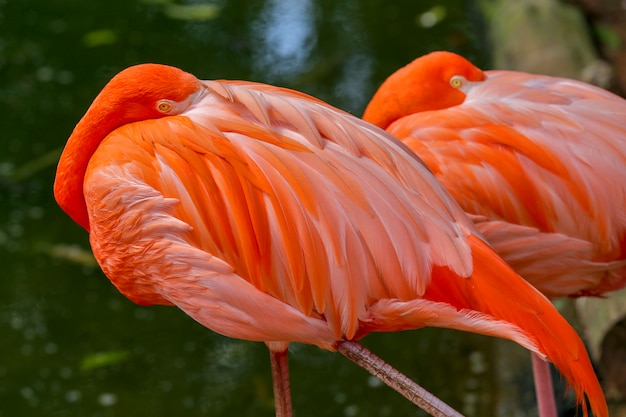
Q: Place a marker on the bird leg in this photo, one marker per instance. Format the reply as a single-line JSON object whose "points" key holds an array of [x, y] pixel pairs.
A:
{"points": [[376, 366], [543, 387], [280, 377]]}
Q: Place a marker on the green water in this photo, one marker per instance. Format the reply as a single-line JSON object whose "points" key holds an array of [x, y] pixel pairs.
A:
{"points": [[70, 344]]}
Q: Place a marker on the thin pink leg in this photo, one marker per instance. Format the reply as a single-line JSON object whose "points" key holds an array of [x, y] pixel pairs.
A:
{"points": [[543, 387], [366, 359], [280, 377]]}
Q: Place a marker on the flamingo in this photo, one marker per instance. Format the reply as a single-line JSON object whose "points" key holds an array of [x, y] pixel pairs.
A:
{"points": [[268, 215], [538, 162]]}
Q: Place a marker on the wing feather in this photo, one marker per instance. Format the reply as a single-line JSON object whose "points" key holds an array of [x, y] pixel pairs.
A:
{"points": [[267, 215], [535, 151], [253, 182]]}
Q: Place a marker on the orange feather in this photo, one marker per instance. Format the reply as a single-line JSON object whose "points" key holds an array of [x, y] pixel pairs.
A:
{"points": [[538, 162], [268, 215], [540, 156]]}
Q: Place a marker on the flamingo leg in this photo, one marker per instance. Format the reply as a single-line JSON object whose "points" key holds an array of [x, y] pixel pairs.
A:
{"points": [[280, 378], [543, 387], [376, 366]]}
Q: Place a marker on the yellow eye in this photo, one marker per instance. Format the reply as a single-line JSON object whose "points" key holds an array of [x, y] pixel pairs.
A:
{"points": [[456, 81], [164, 106]]}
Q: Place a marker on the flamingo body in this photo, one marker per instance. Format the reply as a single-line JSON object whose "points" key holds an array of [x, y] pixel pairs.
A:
{"points": [[540, 163], [268, 215]]}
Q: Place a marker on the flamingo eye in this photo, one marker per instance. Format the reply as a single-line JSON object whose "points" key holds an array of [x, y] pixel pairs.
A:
{"points": [[164, 106], [457, 81]]}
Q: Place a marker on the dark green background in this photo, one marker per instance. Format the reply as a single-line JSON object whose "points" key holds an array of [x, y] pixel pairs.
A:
{"points": [[70, 344]]}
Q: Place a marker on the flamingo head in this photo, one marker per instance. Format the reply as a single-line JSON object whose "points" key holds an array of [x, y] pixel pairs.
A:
{"points": [[141, 92], [435, 81]]}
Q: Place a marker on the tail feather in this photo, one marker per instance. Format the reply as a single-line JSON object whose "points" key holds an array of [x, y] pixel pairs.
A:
{"points": [[496, 301], [512, 299]]}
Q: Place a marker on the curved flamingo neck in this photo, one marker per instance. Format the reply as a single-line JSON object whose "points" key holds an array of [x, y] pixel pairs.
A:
{"points": [[131, 96], [422, 85], [397, 97], [83, 142]]}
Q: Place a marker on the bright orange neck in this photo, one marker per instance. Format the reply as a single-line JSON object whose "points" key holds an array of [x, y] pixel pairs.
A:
{"points": [[83, 142]]}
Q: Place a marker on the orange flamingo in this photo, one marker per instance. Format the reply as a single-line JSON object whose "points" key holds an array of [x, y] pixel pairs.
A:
{"points": [[268, 215], [539, 162]]}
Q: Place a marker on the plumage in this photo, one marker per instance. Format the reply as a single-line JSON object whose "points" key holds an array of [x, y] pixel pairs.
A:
{"points": [[268, 215], [539, 161], [539, 164]]}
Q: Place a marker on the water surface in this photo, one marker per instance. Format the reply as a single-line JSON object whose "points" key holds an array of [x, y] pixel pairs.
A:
{"points": [[71, 344]]}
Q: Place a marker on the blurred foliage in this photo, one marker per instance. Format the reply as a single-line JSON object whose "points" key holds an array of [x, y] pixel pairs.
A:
{"points": [[101, 359], [57, 310], [99, 38], [199, 12]]}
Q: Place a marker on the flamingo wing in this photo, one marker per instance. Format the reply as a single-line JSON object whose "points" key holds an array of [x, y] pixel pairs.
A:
{"points": [[242, 200], [544, 160], [267, 215]]}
